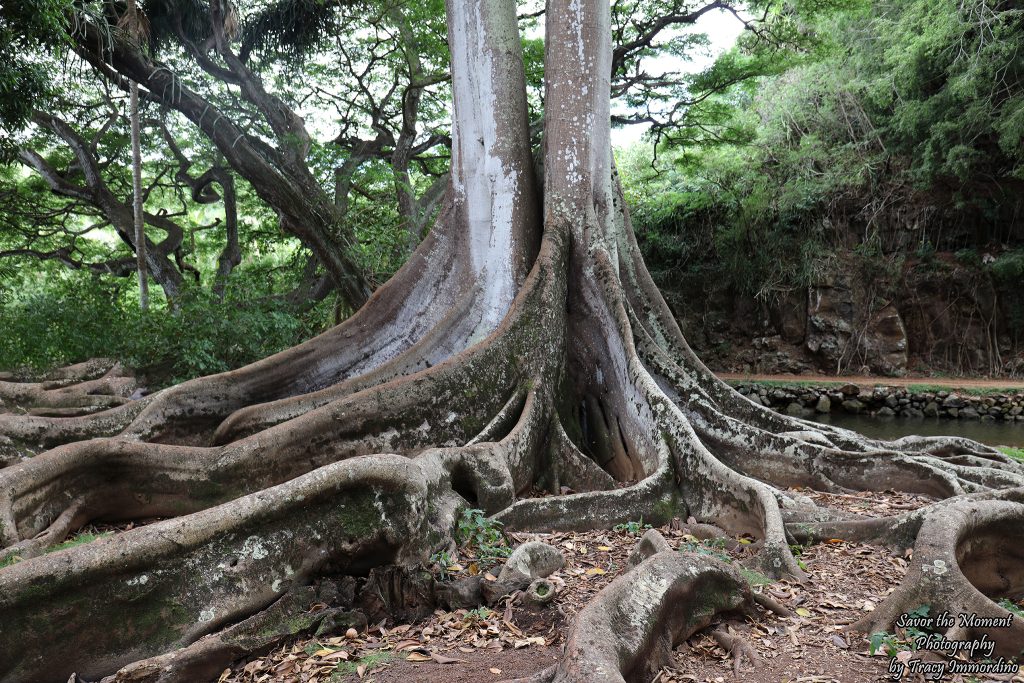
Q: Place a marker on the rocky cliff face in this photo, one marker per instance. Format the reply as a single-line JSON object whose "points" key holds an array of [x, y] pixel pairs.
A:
{"points": [[848, 328], [937, 316]]}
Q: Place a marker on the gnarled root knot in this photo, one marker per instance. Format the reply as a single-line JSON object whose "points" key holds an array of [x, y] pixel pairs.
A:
{"points": [[628, 631]]}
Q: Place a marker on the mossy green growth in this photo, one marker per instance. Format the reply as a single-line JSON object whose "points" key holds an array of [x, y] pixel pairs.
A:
{"points": [[1011, 606], [755, 578], [1017, 453], [80, 539], [664, 510], [371, 662]]}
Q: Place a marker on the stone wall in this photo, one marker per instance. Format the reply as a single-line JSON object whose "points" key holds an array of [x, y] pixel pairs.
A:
{"points": [[886, 402]]}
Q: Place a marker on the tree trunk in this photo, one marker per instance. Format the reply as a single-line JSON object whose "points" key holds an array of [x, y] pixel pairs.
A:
{"points": [[138, 220], [518, 349]]}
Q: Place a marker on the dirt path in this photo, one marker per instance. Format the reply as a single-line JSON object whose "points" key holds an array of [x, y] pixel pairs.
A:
{"points": [[943, 382]]}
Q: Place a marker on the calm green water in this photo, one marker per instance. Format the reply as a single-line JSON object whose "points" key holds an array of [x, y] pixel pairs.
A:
{"points": [[991, 433]]}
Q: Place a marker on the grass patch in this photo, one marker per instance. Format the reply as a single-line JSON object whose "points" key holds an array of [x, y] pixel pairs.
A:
{"points": [[371, 662], [9, 560], [80, 539], [786, 383], [972, 391], [1012, 452]]}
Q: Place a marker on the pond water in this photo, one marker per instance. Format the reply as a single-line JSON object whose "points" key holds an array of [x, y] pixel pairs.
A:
{"points": [[991, 433]]}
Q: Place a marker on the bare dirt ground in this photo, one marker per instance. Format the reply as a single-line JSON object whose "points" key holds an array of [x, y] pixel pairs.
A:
{"points": [[812, 646], [948, 383]]}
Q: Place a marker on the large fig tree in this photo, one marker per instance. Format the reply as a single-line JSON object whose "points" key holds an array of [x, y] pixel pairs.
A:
{"points": [[522, 348]]}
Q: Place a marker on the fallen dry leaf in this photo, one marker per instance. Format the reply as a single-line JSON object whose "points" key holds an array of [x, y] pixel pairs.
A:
{"points": [[441, 659], [417, 657]]}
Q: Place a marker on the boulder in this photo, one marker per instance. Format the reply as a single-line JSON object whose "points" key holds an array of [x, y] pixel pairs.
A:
{"points": [[532, 560], [853, 406]]}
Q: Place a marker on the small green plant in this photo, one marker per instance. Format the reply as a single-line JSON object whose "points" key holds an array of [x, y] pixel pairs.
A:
{"points": [[442, 561], [919, 612], [890, 643], [884, 642], [710, 547], [935, 388], [798, 551], [754, 578], [483, 534], [632, 528], [479, 614], [968, 257], [925, 251]]}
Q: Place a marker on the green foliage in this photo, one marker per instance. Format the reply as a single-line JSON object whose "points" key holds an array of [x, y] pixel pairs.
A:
{"points": [[1008, 273], [890, 643], [69, 319], [24, 28], [753, 577], [10, 559], [369, 662], [476, 530], [892, 123], [885, 642], [479, 614]]}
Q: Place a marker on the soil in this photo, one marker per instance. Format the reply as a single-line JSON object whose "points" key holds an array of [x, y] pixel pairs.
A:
{"points": [[813, 646]]}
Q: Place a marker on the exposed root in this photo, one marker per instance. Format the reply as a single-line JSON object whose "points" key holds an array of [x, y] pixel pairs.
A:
{"points": [[651, 543], [772, 605], [628, 630], [736, 647], [204, 659], [129, 479], [533, 560], [111, 389], [69, 374], [36, 433], [967, 554], [169, 583]]}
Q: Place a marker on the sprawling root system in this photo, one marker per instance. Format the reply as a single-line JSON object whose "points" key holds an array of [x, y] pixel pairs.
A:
{"points": [[513, 353]]}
